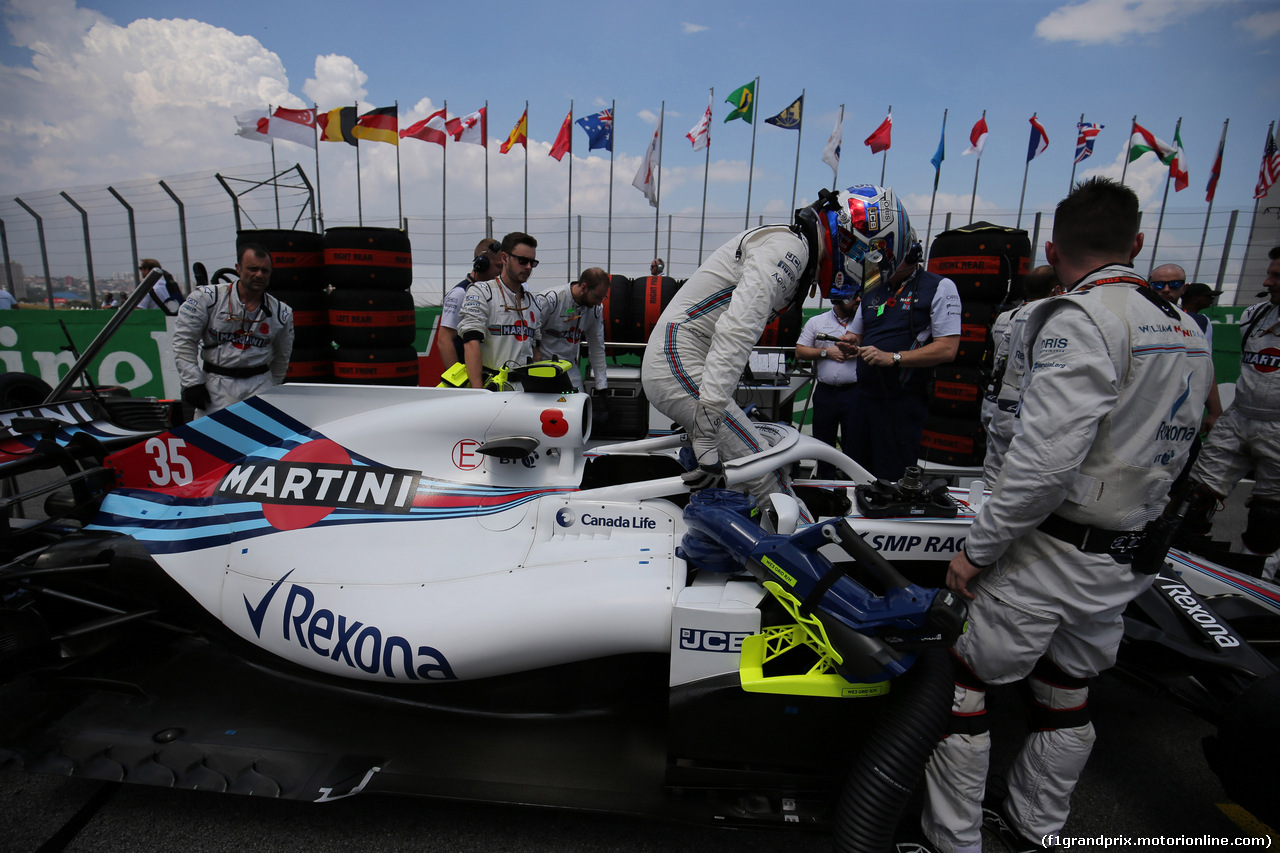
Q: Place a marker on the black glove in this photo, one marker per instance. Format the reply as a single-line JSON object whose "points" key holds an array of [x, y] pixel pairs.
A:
{"points": [[197, 396], [705, 477]]}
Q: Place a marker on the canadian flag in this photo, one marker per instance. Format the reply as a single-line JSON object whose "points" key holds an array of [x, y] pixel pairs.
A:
{"points": [[470, 128]]}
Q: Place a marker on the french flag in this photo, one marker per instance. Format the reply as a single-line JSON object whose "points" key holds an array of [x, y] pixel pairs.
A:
{"points": [[1039, 140]]}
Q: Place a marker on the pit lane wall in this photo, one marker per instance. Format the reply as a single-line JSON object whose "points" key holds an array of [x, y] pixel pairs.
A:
{"points": [[140, 356]]}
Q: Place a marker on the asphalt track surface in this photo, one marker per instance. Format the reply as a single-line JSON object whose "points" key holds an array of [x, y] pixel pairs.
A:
{"points": [[1147, 778]]}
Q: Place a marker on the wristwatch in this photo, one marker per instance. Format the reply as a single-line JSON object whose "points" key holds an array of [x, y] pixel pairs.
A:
{"points": [[822, 353], [897, 359]]}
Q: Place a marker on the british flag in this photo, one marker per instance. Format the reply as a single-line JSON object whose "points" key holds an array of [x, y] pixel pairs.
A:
{"points": [[1270, 170], [1088, 134]]}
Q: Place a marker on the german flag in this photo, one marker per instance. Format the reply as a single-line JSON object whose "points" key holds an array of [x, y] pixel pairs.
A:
{"points": [[336, 125], [380, 125]]}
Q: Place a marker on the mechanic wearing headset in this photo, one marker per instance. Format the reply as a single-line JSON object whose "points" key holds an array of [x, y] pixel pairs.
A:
{"points": [[484, 267], [908, 322], [501, 322], [573, 315], [246, 333], [1108, 411], [700, 345]]}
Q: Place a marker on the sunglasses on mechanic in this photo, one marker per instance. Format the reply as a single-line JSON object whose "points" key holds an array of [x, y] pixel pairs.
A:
{"points": [[1176, 284], [531, 263]]}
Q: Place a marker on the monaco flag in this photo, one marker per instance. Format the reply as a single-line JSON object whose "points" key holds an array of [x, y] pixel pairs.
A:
{"points": [[977, 137]]}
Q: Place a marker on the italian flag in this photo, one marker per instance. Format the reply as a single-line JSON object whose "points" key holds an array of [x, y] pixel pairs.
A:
{"points": [[1178, 166], [1144, 140]]}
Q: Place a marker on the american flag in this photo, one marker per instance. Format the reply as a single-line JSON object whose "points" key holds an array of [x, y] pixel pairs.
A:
{"points": [[1270, 170], [1088, 134]]}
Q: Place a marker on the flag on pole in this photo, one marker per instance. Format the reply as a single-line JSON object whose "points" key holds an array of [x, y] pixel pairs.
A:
{"points": [[470, 128], [977, 138], [879, 138], [519, 134], [1087, 134], [646, 179], [430, 129], [700, 135], [293, 126], [1270, 170], [1039, 140], [1143, 141], [1216, 169], [831, 153], [941, 153], [564, 139], [788, 119], [743, 100], [1178, 165], [599, 130], [380, 125], [253, 125], [337, 124]]}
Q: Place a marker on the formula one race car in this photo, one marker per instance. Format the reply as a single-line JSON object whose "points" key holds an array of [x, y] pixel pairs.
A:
{"points": [[328, 590]]}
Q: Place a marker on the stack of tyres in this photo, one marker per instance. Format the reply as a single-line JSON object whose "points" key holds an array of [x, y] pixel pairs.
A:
{"points": [[987, 262], [648, 298], [298, 280], [371, 316]]}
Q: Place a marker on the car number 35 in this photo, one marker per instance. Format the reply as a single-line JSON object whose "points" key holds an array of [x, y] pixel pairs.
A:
{"points": [[172, 467]]}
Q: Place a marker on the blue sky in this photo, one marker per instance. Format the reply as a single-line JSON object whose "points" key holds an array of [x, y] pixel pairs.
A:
{"points": [[113, 90]]}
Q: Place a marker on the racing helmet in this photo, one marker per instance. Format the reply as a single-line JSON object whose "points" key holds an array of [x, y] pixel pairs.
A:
{"points": [[865, 233]]}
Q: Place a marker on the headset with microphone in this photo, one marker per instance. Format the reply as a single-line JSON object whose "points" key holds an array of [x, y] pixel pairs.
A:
{"points": [[481, 262]]}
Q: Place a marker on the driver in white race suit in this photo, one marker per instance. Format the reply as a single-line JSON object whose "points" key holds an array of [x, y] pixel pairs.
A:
{"points": [[232, 341], [701, 343], [1117, 382]]}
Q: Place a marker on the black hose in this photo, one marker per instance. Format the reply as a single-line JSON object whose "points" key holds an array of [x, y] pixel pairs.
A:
{"points": [[887, 770]]}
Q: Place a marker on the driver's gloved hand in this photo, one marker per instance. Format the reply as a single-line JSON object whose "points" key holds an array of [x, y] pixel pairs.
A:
{"points": [[705, 477], [197, 396]]}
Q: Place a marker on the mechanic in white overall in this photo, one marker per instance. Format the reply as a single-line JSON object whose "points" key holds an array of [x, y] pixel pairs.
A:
{"points": [[1109, 408], [701, 343], [232, 341], [1000, 403], [500, 320], [573, 315]]}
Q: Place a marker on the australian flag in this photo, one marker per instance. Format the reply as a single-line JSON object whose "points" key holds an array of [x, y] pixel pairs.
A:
{"points": [[1087, 136], [599, 128]]}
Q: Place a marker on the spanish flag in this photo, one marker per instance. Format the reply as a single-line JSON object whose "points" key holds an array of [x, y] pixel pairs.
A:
{"points": [[380, 125], [337, 124], [519, 134]]}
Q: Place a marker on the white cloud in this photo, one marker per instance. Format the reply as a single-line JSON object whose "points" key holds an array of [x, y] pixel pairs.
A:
{"points": [[688, 28], [1115, 21], [648, 116], [338, 80], [1261, 25]]}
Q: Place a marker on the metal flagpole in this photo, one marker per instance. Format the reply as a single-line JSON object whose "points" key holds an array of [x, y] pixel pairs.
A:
{"points": [[885, 154], [613, 128], [795, 180], [976, 164], [706, 169], [1025, 167], [315, 132], [399, 197], [569, 214], [526, 167], [657, 179], [484, 140], [275, 185], [835, 173], [936, 175], [1160, 222], [1128, 146], [1222, 143], [444, 211], [751, 167], [1079, 130], [359, 196]]}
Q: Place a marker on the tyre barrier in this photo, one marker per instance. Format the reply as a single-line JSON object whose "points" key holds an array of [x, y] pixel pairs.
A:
{"points": [[373, 258], [310, 364], [647, 299], [953, 441], [958, 391], [372, 318], [784, 331], [297, 257], [310, 315], [368, 366], [987, 262], [616, 310]]}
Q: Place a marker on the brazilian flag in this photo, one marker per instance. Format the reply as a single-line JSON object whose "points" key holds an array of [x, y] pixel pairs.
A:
{"points": [[743, 100]]}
